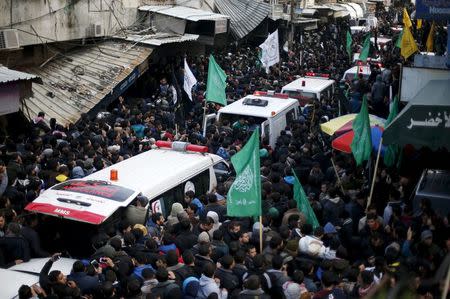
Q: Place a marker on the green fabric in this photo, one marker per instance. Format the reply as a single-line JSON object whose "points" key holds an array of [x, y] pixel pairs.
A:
{"points": [[366, 48], [362, 141], [398, 44], [349, 44], [216, 84], [244, 196], [392, 150], [303, 203]]}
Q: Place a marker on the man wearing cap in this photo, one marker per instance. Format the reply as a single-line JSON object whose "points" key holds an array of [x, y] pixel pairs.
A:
{"points": [[428, 250]]}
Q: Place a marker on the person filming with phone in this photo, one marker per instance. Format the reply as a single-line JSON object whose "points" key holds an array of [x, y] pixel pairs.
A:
{"points": [[86, 279], [56, 282]]}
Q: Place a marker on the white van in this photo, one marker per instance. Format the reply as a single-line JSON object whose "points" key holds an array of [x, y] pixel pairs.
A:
{"points": [[162, 175], [310, 88], [28, 274], [271, 111], [354, 71]]}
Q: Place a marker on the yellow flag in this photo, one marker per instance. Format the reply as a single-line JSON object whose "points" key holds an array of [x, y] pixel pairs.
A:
{"points": [[406, 19], [408, 46], [430, 39], [419, 24]]}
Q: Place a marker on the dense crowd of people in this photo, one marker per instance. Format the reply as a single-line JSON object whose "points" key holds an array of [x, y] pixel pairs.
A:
{"points": [[197, 251]]}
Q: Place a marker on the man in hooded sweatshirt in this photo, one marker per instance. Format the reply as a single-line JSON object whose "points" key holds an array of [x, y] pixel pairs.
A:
{"points": [[172, 219], [209, 284]]}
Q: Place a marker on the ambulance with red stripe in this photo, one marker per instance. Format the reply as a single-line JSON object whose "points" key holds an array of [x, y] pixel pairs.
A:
{"points": [[162, 175]]}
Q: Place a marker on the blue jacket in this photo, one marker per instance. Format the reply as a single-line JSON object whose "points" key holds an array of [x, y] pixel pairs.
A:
{"points": [[138, 271], [86, 283]]}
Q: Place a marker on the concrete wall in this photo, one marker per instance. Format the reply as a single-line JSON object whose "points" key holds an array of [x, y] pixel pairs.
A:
{"points": [[64, 20]]}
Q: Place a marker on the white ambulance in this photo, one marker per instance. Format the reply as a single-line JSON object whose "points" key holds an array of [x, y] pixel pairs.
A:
{"points": [[162, 175], [268, 110], [310, 88]]}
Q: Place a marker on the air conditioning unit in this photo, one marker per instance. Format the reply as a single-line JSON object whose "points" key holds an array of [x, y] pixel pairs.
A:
{"points": [[94, 30], [9, 39]]}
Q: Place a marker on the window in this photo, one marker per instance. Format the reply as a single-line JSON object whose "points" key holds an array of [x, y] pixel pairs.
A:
{"points": [[290, 116], [97, 188], [266, 129], [176, 194], [222, 171]]}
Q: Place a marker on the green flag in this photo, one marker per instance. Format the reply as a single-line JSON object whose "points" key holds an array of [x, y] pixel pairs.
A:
{"points": [[349, 44], [366, 48], [398, 44], [362, 141], [303, 203], [392, 150], [244, 196], [216, 84]]}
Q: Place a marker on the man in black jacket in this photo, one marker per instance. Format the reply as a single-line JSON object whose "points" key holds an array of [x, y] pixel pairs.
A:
{"points": [[228, 279], [30, 234], [56, 281], [14, 246]]}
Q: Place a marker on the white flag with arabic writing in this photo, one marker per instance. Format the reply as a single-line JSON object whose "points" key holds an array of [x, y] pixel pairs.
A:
{"points": [[270, 50], [189, 80]]}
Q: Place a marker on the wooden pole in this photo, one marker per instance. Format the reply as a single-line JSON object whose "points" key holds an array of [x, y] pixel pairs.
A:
{"points": [[374, 173], [337, 176], [260, 234]]}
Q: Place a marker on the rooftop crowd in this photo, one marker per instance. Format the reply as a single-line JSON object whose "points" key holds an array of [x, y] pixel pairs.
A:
{"points": [[199, 252]]}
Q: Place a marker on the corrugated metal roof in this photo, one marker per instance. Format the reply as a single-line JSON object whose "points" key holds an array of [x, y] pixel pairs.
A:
{"points": [[8, 75], [245, 15], [76, 82], [187, 13], [160, 38]]}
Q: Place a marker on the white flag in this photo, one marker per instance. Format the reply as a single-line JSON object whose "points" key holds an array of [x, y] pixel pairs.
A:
{"points": [[270, 50], [189, 80]]}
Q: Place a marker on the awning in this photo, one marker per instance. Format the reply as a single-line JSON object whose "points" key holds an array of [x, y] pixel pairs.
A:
{"points": [[309, 12], [78, 81], [162, 38], [354, 9], [358, 9], [8, 75], [425, 121], [245, 15], [182, 12]]}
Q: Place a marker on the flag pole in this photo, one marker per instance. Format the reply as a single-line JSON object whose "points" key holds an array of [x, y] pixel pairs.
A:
{"points": [[446, 284], [260, 235], [337, 176], [204, 119], [374, 173]]}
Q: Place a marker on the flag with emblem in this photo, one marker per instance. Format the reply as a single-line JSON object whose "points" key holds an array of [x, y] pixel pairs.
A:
{"points": [[270, 50], [189, 80], [216, 83], [244, 196]]}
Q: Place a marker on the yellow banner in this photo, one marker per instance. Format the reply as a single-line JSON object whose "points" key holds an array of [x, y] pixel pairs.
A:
{"points": [[430, 38], [408, 46], [406, 19]]}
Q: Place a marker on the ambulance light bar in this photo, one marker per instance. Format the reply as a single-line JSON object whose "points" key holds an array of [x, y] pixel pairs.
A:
{"points": [[181, 146], [271, 94], [311, 74]]}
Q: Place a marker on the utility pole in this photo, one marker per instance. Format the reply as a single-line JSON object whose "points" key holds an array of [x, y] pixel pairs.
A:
{"points": [[291, 35]]}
